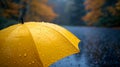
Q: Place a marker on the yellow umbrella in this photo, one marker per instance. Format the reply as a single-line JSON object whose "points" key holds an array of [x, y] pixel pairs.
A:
{"points": [[35, 44]]}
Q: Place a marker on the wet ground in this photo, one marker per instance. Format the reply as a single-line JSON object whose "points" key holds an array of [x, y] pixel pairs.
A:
{"points": [[100, 47]]}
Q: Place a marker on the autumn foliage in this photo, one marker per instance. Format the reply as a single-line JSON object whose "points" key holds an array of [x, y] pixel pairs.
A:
{"points": [[9, 8], [94, 8], [39, 11], [97, 10], [36, 10], [114, 10]]}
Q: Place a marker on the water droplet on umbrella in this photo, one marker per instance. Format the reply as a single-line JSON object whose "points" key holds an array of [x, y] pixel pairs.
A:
{"points": [[14, 62], [8, 62], [20, 55], [43, 55], [33, 61], [21, 60], [2, 48], [29, 63], [25, 54], [19, 43], [8, 57]]}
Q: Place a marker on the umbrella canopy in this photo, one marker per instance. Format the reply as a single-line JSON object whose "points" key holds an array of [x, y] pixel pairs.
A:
{"points": [[35, 44]]}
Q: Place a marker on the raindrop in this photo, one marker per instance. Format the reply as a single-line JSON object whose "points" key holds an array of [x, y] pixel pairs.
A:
{"points": [[29, 63], [2, 48], [14, 62], [78, 65], [8, 57], [21, 60], [33, 62], [8, 62], [25, 54], [43, 55], [19, 43], [59, 63], [20, 55], [68, 57], [54, 65], [71, 64]]}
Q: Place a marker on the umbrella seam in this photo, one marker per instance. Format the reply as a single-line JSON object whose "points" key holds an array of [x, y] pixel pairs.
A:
{"points": [[34, 43], [60, 34]]}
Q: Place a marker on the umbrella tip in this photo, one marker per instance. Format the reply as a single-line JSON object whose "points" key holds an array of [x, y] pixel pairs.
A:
{"points": [[22, 21]]}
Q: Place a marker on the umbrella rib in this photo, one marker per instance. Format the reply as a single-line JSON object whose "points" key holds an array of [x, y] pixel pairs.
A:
{"points": [[34, 44], [60, 34]]}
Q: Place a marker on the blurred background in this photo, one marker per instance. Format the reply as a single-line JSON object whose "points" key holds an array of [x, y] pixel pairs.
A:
{"points": [[95, 22], [97, 13]]}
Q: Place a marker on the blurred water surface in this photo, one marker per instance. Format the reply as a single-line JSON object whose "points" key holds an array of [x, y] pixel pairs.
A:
{"points": [[100, 47]]}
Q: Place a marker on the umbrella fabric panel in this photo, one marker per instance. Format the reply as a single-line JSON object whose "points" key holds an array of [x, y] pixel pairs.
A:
{"points": [[51, 45], [18, 49], [68, 35]]}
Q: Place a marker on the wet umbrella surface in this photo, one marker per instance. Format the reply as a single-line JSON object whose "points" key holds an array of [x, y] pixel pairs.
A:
{"points": [[100, 47], [35, 44]]}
